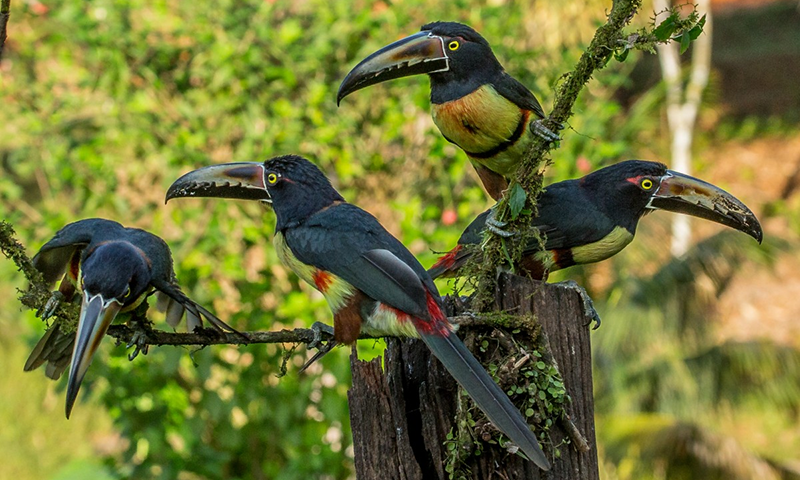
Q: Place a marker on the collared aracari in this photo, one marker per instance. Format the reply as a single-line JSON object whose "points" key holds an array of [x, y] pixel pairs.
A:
{"points": [[115, 268], [371, 281], [590, 219], [474, 102]]}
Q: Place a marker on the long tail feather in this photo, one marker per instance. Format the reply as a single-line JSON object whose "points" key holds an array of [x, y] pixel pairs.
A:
{"points": [[471, 375], [55, 348], [450, 263]]}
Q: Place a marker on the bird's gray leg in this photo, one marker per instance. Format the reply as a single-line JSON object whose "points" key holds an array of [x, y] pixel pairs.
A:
{"points": [[140, 328], [538, 129], [52, 304], [320, 330], [496, 226], [588, 305]]}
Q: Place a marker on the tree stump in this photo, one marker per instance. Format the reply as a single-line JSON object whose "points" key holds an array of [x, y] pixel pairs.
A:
{"points": [[401, 416]]}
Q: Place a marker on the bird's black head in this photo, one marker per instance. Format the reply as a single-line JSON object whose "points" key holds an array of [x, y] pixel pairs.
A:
{"points": [[298, 189], [456, 57], [472, 61], [294, 186], [114, 275], [116, 270], [624, 189], [628, 190]]}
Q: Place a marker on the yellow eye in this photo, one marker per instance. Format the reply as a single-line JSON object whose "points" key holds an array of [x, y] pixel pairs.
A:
{"points": [[272, 178], [453, 45], [647, 184]]}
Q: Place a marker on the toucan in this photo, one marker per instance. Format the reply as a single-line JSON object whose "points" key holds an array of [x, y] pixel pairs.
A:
{"points": [[593, 218], [474, 102], [115, 268], [372, 283]]}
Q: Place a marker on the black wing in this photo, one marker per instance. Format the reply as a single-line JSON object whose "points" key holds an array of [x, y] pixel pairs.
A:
{"points": [[510, 88], [171, 298], [55, 255], [353, 245], [568, 219]]}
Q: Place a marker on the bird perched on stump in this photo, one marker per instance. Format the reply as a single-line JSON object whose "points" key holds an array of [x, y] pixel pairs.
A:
{"points": [[371, 281], [474, 102], [115, 268], [593, 218]]}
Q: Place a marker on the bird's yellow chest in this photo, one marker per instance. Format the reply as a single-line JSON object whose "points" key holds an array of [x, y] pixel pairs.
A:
{"points": [[481, 122], [604, 248], [335, 290]]}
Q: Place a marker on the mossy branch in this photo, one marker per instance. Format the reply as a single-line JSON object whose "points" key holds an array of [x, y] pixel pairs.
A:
{"points": [[497, 250], [38, 294], [5, 13]]}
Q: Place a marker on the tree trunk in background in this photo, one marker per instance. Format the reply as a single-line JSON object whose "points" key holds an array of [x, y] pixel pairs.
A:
{"points": [[401, 414], [682, 105]]}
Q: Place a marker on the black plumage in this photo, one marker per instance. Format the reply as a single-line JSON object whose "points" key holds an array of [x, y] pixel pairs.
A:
{"points": [[593, 218], [115, 268], [370, 280]]}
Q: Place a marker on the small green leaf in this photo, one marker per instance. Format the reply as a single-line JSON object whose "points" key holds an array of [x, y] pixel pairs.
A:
{"points": [[686, 40], [698, 28], [516, 200], [621, 56], [665, 29]]}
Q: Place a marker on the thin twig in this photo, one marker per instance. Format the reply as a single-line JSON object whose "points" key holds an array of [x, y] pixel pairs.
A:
{"points": [[124, 334], [39, 293], [575, 435]]}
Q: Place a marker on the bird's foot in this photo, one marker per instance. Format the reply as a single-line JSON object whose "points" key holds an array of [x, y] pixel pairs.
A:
{"points": [[588, 305], [538, 128], [138, 339], [496, 226], [322, 333], [320, 330], [52, 304]]}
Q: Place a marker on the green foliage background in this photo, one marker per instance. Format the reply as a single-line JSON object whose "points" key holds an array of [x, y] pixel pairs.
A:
{"points": [[105, 103]]}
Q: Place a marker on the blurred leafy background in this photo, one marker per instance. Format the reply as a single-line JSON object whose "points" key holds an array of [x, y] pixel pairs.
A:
{"points": [[105, 103]]}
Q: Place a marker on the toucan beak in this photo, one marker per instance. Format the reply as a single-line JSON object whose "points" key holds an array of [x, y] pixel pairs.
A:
{"points": [[243, 180], [97, 313], [422, 52], [684, 194]]}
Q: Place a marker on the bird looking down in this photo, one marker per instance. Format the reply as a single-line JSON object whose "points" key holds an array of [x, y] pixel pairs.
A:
{"points": [[115, 268], [474, 102], [593, 218], [371, 282]]}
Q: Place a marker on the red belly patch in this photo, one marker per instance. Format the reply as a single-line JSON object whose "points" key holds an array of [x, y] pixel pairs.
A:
{"points": [[322, 280]]}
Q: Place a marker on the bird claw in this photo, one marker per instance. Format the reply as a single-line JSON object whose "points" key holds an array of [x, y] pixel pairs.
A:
{"points": [[588, 305], [320, 330], [538, 128], [52, 304], [138, 340], [496, 226], [322, 350]]}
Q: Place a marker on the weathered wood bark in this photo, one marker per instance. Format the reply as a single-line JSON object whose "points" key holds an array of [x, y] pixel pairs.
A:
{"points": [[401, 416]]}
